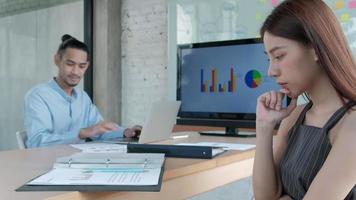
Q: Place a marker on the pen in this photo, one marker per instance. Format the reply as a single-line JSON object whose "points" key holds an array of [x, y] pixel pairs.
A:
{"points": [[180, 136]]}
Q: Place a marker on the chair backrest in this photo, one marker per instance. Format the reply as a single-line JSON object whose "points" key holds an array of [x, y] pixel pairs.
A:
{"points": [[21, 137]]}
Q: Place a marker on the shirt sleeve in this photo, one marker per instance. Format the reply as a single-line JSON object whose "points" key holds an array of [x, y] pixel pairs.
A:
{"points": [[95, 117], [39, 124]]}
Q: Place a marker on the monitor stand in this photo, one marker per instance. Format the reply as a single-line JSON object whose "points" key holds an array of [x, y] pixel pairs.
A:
{"points": [[229, 132]]}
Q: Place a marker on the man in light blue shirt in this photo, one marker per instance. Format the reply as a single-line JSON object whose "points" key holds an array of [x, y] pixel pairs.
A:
{"points": [[59, 113]]}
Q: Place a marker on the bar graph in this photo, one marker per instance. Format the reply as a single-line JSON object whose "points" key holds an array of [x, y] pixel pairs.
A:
{"points": [[213, 85]]}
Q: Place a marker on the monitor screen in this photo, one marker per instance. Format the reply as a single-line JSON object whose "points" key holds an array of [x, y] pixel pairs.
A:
{"points": [[222, 80]]}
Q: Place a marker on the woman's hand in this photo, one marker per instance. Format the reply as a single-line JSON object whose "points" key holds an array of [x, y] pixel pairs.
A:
{"points": [[285, 197], [269, 107]]}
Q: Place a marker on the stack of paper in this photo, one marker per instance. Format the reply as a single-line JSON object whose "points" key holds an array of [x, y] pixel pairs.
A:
{"points": [[101, 147], [225, 146]]}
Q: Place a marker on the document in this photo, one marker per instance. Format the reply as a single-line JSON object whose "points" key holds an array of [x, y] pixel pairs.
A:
{"points": [[97, 176], [225, 146], [104, 169], [101, 147]]}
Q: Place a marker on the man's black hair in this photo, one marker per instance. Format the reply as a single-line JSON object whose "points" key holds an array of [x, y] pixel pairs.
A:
{"points": [[70, 42]]}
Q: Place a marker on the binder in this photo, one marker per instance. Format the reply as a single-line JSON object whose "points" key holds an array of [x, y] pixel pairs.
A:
{"points": [[95, 172], [181, 151]]}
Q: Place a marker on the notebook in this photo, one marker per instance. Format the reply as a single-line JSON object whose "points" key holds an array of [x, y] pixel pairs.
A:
{"points": [[101, 172], [179, 151]]}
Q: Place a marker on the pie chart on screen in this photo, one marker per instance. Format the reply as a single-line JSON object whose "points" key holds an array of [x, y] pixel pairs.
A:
{"points": [[253, 79]]}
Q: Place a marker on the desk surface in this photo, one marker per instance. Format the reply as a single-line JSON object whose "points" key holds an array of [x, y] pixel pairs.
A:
{"points": [[182, 178]]}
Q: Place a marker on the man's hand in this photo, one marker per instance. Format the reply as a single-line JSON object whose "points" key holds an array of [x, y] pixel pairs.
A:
{"points": [[135, 131], [97, 129]]}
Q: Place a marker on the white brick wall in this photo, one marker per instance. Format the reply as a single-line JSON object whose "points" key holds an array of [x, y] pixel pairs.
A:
{"points": [[144, 57]]}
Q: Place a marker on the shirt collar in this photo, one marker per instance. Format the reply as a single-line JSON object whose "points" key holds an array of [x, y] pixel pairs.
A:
{"points": [[53, 84]]}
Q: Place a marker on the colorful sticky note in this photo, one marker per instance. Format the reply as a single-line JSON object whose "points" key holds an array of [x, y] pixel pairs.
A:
{"points": [[262, 1], [258, 16], [345, 17], [352, 4], [274, 2], [339, 4]]}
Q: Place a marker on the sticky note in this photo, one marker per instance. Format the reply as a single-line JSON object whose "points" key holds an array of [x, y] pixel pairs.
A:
{"points": [[262, 1], [258, 16], [352, 4], [345, 17], [339, 4], [274, 2]]}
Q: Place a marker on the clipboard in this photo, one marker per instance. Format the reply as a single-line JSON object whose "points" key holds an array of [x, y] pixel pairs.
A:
{"points": [[94, 188], [113, 169]]}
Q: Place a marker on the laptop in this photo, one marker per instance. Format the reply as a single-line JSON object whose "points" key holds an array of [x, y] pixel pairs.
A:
{"points": [[158, 125]]}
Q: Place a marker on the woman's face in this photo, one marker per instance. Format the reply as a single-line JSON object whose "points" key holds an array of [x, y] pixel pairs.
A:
{"points": [[293, 65]]}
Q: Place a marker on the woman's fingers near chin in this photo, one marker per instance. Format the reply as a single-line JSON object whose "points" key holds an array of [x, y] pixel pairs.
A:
{"points": [[284, 91], [279, 101], [273, 100], [268, 99]]}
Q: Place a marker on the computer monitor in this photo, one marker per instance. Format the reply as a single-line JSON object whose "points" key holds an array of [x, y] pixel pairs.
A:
{"points": [[219, 83]]}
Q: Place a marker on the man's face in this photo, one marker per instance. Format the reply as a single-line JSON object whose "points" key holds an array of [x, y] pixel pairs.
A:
{"points": [[71, 66]]}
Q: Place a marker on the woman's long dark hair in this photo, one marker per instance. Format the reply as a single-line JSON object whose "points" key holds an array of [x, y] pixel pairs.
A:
{"points": [[312, 23]]}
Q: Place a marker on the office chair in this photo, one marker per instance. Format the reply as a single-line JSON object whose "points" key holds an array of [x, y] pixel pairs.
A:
{"points": [[21, 137]]}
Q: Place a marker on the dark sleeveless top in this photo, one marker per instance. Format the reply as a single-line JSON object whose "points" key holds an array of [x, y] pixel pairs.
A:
{"points": [[308, 148]]}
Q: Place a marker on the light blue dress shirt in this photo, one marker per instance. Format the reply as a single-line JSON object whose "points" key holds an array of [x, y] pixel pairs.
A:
{"points": [[53, 117]]}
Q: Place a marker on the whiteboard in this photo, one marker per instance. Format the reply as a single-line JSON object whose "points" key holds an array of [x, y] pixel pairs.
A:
{"points": [[192, 21]]}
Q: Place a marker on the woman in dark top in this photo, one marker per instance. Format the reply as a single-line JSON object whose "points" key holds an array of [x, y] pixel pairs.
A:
{"points": [[313, 155]]}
